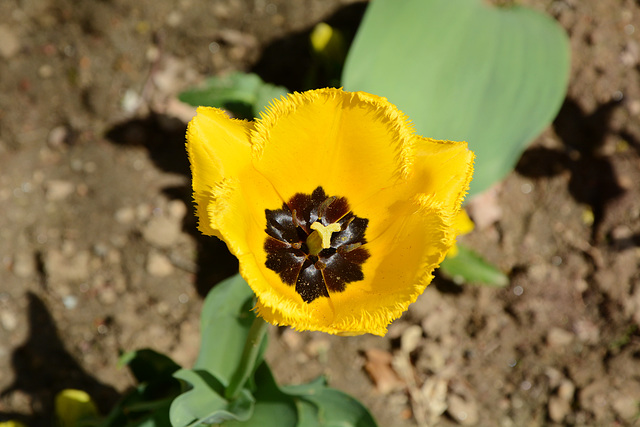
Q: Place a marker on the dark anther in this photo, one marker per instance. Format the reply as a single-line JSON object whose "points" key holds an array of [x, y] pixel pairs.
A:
{"points": [[294, 218], [333, 267], [322, 210], [348, 248]]}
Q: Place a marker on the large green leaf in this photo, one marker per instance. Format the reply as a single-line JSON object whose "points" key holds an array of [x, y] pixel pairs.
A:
{"points": [[225, 322], [463, 70]]}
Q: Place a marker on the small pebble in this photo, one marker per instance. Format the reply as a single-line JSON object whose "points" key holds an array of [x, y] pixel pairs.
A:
{"points": [[626, 407], [24, 265], [464, 411], [8, 320], [159, 265], [108, 296], [162, 231], [558, 337], [45, 71], [9, 42], [125, 215], [70, 302], [558, 409], [411, 338], [57, 137], [176, 209], [57, 189], [566, 390]]}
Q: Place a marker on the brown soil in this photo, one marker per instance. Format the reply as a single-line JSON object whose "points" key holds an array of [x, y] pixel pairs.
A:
{"points": [[99, 250]]}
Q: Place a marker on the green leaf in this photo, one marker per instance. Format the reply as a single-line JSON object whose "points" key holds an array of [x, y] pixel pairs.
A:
{"points": [[463, 70], [244, 94], [307, 405], [323, 406], [148, 365], [273, 408], [204, 403], [225, 322], [470, 267], [148, 404]]}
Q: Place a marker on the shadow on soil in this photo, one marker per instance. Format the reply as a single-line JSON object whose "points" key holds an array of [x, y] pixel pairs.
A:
{"points": [[593, 180], [163, 137], [289, 61], [43, 367]]}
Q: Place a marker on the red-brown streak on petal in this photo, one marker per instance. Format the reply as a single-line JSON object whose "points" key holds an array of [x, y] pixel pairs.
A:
{"points": [[337, 210]]}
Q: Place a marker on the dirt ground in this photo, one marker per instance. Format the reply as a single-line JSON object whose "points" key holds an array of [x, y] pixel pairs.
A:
{"points": [[99, 251]]}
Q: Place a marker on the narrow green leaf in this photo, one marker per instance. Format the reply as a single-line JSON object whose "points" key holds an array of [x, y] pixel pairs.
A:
{"points": [[463, 70], [244, 94], [470, 267]]}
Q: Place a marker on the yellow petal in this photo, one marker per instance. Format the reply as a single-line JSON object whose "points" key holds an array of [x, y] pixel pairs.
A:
{"points": [[438, 169], [351, 144], [463, 223], [218, 148], [404, 189]]}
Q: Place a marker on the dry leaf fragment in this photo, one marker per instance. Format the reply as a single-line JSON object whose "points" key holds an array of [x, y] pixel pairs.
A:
{"points": [[378, 366]]}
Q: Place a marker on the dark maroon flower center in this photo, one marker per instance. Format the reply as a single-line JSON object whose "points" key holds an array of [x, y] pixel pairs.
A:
{"points": [[333, 267]]}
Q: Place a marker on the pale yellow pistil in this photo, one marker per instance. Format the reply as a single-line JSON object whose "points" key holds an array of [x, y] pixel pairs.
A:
{"points": [[321, 237]]}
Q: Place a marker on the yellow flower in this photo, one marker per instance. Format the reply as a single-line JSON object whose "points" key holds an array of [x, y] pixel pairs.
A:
{"points": [[462, 225], [337, 211]]}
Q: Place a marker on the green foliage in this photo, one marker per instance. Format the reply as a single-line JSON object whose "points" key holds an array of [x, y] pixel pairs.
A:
{"points": [[225, 322], [148, 404], [472, 268], [228, 327], [204, 404], [168, 396], [463, 70], [243, 94]]}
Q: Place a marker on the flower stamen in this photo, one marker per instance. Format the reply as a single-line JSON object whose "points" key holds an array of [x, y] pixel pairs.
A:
{"points": [[304, 251], [321, 237]]}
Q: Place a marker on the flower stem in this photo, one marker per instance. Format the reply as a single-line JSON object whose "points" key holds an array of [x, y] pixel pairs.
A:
{"points": [[249, 358]]}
